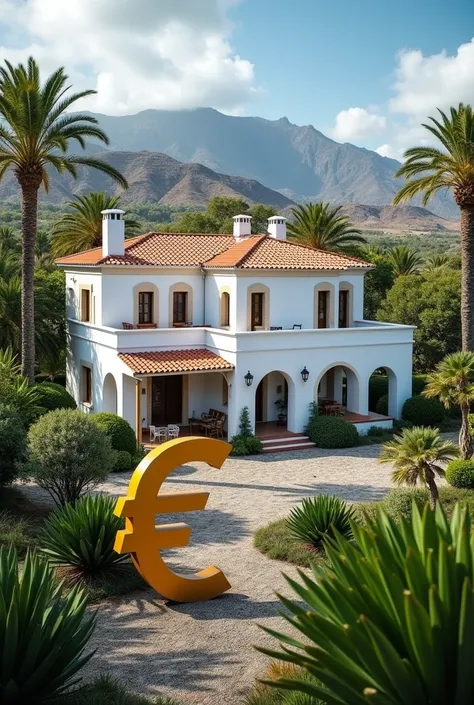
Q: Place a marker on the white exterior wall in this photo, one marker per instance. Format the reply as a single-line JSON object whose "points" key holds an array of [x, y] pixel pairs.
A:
{"points": [[74, 282], [118, 295], [215, 284], [292, 297]]}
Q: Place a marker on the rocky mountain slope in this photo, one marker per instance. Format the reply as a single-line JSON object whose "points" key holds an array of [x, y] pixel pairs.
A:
{"points": [[300, 162], [397, 218], [157, 178]]}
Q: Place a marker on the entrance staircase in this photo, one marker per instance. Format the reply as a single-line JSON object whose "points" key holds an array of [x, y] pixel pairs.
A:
{"points": [[285, 441]]}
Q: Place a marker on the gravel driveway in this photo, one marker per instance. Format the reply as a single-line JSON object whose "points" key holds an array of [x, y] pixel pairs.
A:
{"points": [[202, 652]]}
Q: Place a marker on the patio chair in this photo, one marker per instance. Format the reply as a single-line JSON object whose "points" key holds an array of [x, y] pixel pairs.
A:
{"points": [[276, 327], [297, 326], [160, 433], [173, 431], [127, 326]]}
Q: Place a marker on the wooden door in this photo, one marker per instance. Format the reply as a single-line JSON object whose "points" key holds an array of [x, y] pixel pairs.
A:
{"points": [[257, 311], [323, 309], [167, 400], [343, 309], [259, 416]]}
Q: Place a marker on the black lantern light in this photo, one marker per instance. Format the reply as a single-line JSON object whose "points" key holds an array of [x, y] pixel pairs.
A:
{"points": [[304, 374], [248, 379]]}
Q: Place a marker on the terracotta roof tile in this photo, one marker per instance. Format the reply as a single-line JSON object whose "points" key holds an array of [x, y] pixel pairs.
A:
{"points": [[194, 249], [159, 249], [265, 252], [174, 361]]}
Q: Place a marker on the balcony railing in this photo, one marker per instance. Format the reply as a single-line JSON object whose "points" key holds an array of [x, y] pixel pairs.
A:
{"points": [[361, 333]]}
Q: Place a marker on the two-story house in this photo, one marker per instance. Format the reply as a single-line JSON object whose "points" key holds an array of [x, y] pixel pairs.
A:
{"points": [[162, 327]]}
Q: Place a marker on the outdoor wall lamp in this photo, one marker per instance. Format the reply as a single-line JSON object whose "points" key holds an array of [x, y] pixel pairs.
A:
{"points": [[248, 379], [304, 374]]}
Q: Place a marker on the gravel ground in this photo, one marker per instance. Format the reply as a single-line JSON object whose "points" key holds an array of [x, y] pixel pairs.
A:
{"points": [[202, 652]]}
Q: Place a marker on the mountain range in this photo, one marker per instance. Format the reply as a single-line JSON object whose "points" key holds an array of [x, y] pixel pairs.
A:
{"points": [[298, 161]]}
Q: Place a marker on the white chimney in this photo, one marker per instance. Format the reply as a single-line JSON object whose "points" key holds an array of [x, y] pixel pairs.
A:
{"points": [[242, 226], [277, 227], [113, 232]]}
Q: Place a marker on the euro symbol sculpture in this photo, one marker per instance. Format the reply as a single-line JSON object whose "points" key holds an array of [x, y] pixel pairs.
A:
{"points": [[145, 541]]}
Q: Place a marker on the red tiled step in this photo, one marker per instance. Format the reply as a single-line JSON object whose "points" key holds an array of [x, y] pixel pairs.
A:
{"points": [[278, 444]]}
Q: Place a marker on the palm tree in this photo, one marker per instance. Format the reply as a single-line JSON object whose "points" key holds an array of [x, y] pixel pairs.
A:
{"points": [[322, 226], [453, 383], [416, 454], [35, 133], [403, 260], [436, 262], [82, 229], [449, 168]]}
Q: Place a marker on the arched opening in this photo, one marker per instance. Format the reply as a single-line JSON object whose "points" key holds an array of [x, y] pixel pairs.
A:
{"points": [[225, 309], [383, 392], [274, 402], [337, 391], [346, 305], [109, 394]]}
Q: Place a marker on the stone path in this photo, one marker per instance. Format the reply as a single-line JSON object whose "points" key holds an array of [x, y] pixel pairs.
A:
{"points": [[202, 652]]}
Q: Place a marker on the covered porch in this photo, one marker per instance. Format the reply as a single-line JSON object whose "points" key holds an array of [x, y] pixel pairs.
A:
{"points": [[176, 388]]}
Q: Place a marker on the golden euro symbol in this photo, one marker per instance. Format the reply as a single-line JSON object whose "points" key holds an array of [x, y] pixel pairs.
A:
{"points": [[145, 541]]}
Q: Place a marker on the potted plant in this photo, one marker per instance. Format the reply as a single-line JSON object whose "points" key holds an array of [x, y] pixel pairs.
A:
{"points": [[281, 405]]}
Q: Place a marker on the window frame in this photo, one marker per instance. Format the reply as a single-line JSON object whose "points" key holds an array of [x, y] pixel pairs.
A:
{"points": [[86, 385], [86, 308], [254, 321], [147, 319], [176, 308], [225, 309], [344, 314]]}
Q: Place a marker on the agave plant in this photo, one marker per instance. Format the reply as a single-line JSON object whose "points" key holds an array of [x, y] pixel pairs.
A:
{"points": [[390, 620], [44, 634], [316, 519], [80, 538]]}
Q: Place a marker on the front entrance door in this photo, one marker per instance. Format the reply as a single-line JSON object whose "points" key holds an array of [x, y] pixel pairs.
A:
{"points": [[259, 403], [167, 400]]}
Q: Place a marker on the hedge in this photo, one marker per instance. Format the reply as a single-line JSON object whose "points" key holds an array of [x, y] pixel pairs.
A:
{"points": [[378, 387], [332, 432], [422, 411], [460, 474], [53, 396], [121, 434]]}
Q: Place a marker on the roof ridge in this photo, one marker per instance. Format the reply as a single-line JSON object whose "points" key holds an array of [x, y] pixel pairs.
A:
{"points": [[258, 240], [157, 232]]}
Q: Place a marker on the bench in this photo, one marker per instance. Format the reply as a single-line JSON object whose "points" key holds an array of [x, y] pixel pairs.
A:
{"points": [[213, 423]]}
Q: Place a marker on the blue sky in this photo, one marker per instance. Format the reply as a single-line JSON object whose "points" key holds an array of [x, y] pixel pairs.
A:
{"points": [[362, 71], [316, 58]]}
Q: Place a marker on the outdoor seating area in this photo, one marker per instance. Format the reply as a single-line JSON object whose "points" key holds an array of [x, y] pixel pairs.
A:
{"points": [[210, 424], [329, 407]]}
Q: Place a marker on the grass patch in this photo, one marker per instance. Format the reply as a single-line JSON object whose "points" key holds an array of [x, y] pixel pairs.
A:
{"points": [[276, 541], [21, 521], [264, 694], [122, 582], [106, 691]]}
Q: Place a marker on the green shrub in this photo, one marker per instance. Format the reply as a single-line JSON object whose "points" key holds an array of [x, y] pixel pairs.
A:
{"points": [[140, 453], [81, 538], [390, 619], [398, 502], [418, 384], [332, 432], [12, 443], [316, 518], [44, 633], [16, 532], [68, 454], [121, 434], [54, 396], [423, 411], [382, 405], [460, 473], [106, 691], [123, 461], [378, 386], [245, 443], [376, 431]]}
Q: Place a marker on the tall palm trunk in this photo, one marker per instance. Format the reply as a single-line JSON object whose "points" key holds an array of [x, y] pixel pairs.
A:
{"points": [[467, 276], [432, 487], [29, 214], [466, 441]]}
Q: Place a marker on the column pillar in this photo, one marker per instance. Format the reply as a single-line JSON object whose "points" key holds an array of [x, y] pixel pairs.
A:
{"points": [[138, 410]]}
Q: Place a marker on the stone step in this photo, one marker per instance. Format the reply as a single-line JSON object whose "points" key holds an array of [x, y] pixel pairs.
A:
{"points": [[279, 444]]}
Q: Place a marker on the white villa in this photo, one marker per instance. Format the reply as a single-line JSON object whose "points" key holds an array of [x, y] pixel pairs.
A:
{"points": [[164, 327]]}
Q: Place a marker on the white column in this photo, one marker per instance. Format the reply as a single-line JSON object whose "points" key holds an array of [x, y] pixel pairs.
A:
{"points": [[300, 396], [338, 377], [239, 396]]}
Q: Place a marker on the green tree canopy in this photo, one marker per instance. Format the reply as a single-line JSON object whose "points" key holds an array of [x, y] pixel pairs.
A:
{"points": [[431, 302], [323, 226]]}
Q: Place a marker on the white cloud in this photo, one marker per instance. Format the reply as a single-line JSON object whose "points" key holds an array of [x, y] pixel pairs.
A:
{"points": [[421, 84], [356, 124], [424, 83], [138, 55]]}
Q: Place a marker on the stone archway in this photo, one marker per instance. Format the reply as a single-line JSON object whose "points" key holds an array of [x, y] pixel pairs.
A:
{"points": [[339, 382], [109, 394], [275, 399], [386, 380]]}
